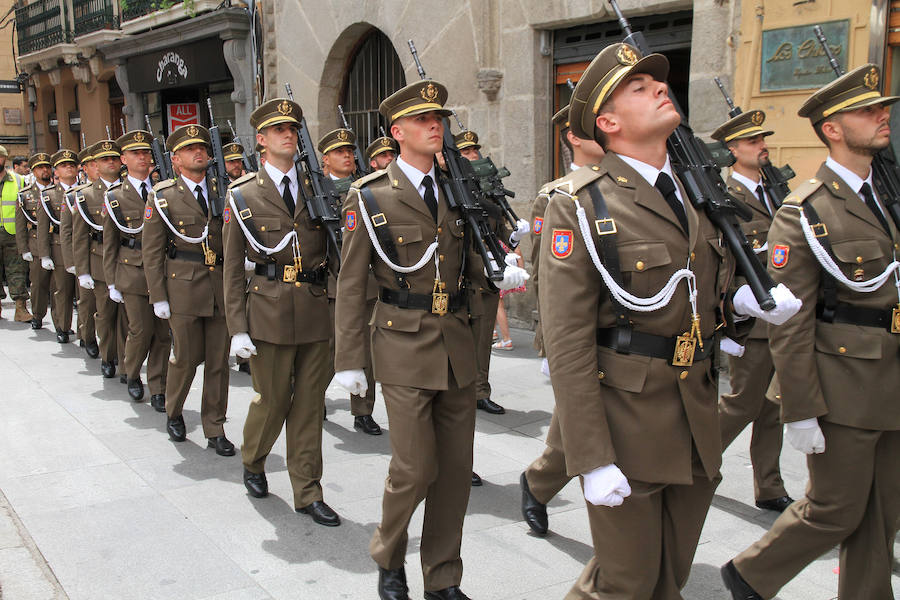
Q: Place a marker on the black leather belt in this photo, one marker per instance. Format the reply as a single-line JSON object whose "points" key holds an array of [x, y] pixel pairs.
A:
{"points": [[193, 256], [404, 299], [273, 271], [133, 243], [855, 315], [656, 346]]}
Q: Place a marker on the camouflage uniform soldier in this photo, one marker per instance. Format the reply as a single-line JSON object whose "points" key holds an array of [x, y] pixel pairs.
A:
{"points": [[13, 267]]}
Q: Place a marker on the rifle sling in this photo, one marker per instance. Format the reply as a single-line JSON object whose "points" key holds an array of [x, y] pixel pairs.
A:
{"points": [[242, 210], [383, 233], [829, 284], [116, 207]]}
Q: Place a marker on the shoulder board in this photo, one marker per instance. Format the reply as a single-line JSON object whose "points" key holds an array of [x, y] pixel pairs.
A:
{"points": [[369, 178], [165, 183], [83, 186], [570, 184], [27, 188], [114, 186], [243, 179], [803, 191]]}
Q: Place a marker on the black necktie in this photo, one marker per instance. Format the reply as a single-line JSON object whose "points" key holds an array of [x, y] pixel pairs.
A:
{"points": [[144, 192], [286, 194], [666, 187], [866, 191], [201, 200], [430, 200], [763, 200]]}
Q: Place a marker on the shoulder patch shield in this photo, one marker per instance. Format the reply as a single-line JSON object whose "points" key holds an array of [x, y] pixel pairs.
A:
{"points": [[538, 225], [562, 243], [780, 255], [148, 213], [351, 220], [226, 214]]}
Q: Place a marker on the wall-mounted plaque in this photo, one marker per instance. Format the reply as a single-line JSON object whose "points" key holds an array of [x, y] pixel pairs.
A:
{"points": [[793, 59], [12, 116]]}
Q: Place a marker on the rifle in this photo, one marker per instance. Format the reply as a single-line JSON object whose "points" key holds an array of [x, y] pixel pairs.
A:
{"points": [[247, 158], [82, 176], [381, 129], [122, 125], [464, 192], [108, 133], [215, 170], [885, 169], [324, 204], [775, 180], [698, 172], [160, 157], [357, 155]]}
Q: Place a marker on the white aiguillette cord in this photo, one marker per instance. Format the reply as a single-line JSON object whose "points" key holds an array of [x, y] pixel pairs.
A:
{"points": [[45, 200], [290, 237], [112, 215], [364, 215], [87, 220], [162, 214], [25, 212]]}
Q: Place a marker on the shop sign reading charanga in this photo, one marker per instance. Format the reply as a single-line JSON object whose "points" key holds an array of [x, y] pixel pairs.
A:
{"points": [[178, 66]]}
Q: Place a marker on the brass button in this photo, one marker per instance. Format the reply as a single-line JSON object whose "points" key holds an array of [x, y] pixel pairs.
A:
{"points": [[126, 261], [440, 229], [318, 227], [400, 239], [639, 265], [842, 350], [683, 375], [255, 288], [173, 274], [753, 232], [859, 259], [181, 230], [441, 257], [693, 256], [778, 396], [390, 323], [212, 268], [297, 284], [600, 374], [263, 228], [595, 168], [181, 222]]}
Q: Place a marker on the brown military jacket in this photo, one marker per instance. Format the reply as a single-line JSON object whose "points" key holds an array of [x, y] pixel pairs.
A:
{"points": [[410, 347], [87, 244], [176, 270], [274, 311], [66, 219], [757, 231], [49, 233], [846, 374], [640, 413], [27, 215], [123, 265]]}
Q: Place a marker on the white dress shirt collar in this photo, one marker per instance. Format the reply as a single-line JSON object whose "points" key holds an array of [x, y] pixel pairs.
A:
{"points": [[651, 173], [277, 177], [108, 184], [850, 178], [416, 176], [192, 186], [136, 183], [748, 183]]}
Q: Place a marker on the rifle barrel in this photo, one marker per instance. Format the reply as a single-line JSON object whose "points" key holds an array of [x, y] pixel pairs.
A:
{"points": [[623, 22], [415, 55], [820, 35]]}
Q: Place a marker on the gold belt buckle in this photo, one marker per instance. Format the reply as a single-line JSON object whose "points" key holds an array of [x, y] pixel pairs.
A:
{"points": [[209, 256], [685, 345], [440, 301], [895, 320], [290, 274]]}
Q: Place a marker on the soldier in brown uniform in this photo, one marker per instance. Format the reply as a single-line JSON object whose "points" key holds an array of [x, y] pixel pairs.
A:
{"points": [[123, 223], [233, 154], [183, 256], [50, 239], [27, 235], [280, 318], [631, 367], [424, 356], [381, 152], [546, 476], [87, 249], [750, 365], [835, 244], [87, 306]]}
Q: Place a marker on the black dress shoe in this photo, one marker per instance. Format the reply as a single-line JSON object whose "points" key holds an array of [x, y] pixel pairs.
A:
{"points": [[92, 349], [776, 504], [158, 402], [36, 323], [489, 406], [108, 369], [321, 513], [123, 378], [476, 480], [366, 424], [534, 512], [176, 429], [221, 444], [392, 584], [740, 589], [244, 368], [70, 332], [62, 336], [136, 389], [256, 484], [451, 593]]}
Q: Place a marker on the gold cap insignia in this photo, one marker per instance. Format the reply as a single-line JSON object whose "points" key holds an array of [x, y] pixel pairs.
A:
{"points": [[871, 79], [68, 154], [385, 142], [342, 135], [138, 137], [757, 118], [284, 108], [626, 55], [106, 146], [429, 92], [469, 136], [192, 131]]}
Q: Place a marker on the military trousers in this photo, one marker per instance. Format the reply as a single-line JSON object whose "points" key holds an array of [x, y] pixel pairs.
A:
{"points": [[359, 405], [15, 269], [148, 338], [547, 475], [431, 460], [747, 403], [87, 324], [290, 382], [105, 321], [64, 292], [852, 499], [484, 339], [41, 288], [644, 548], [200, 340]]}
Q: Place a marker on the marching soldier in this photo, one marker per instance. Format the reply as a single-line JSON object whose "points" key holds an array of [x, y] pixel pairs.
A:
{"points": [[280, 318], [27, 235], [261, 152], [123, 224], [834, 243], [546, 476], [233, 154], [751, 364], [336, 148], [381, 152], [87, 305], [50, 239], [630, 366], [14, 268], [423, 347], [183, 258]]}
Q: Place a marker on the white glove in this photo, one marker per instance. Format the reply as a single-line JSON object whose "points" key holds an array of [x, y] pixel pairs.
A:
{"points": [[86, 281], [523, 227], [606, 486], [545, 367], [249, 265], [27, 256], [115, 295], [353, 380], [47, 263], [242, 346], [70, 270], [513, 277], [786, 304], [162, 310], [806, 436], [730, 347]]}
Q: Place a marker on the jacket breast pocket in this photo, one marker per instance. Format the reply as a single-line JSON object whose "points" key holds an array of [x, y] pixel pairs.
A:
{"points": [[859, 254], [643, 264], [186, 225], [407, 240]]}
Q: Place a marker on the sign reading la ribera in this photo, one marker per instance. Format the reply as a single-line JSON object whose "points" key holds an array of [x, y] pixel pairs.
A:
{"points": [[793, 59], [178, 66]]}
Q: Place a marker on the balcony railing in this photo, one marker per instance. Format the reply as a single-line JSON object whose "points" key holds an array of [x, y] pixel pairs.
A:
{"points": [[94, 15], [41, 24], [132, 9]]}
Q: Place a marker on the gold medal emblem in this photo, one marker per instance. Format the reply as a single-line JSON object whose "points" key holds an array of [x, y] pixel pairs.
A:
{"points": [[290, 274], [685, 345], [342, 135], [385, 142], [440, 301], [138, 136], [626, 55], [469, 136], [757, 118], [429, 93], [871, 79], [285, 108], [106, 146], [68, 154], [895, 320], [858, 275]]}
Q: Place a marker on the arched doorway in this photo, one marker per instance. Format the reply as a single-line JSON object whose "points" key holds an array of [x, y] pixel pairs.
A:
{"points": [[375, 73]]}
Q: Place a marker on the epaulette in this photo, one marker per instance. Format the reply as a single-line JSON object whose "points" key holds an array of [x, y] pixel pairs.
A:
{"points": [[803, 191], [243, 179], [79, 187], [165, 183], [368, 178], [569, 185], [115, 186]]}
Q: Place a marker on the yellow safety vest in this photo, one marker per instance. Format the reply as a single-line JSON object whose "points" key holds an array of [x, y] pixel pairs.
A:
{"points": [[9, 197]]}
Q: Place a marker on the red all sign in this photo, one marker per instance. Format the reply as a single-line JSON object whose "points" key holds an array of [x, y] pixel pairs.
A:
{"points": [[184, 113]]}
